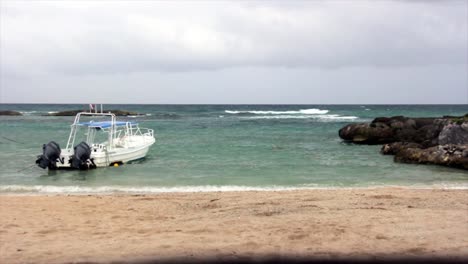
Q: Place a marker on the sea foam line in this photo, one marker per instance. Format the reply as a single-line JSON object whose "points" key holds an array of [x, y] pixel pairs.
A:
{"points": [[44, 189], [27, 112], [321, 117], [122, 189], [37, 112], [313, 111]]}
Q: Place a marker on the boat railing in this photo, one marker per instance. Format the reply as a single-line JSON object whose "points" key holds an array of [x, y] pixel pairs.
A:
{"points": [[114, 132], [127, 132], [138, 131], [147, 132], [74, 127]]}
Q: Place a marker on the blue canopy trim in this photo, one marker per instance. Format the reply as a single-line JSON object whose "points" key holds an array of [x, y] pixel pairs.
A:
{"points": [[105, 124]]}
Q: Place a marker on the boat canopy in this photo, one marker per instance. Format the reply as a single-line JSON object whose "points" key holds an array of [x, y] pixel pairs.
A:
{"points": [[105, 124]]}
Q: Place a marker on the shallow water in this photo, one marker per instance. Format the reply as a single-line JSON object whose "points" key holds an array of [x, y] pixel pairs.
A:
{"points": [[223, 147]]}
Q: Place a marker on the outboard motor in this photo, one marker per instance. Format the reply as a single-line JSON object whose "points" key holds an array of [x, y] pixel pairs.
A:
{"points": [[50, 155], [82, 157]]}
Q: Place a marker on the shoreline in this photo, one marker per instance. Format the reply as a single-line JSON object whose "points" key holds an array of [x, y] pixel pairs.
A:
{"points": [[26, 190], [372, 223]]}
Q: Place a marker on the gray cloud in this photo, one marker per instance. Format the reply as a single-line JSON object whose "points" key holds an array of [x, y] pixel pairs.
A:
{"points": [[252, 85], [120, 37], [315, 52]]}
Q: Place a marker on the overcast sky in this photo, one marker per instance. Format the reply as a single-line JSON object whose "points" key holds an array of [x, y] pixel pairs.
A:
{"points": [[252, 52]]}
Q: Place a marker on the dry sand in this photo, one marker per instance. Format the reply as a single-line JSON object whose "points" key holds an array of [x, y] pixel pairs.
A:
{"points": [[367, 223]]}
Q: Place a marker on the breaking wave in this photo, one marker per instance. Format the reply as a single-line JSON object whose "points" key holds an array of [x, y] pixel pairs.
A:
{"points": [[34, 113], [318, 117], [28, 112], [38, 189], [313, 111], [44, 189]]}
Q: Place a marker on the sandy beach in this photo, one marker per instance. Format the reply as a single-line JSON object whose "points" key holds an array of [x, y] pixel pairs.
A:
{"points": [[343, 223]]}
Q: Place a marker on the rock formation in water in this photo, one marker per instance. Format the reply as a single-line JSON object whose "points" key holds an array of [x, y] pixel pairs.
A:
{"points": [[441, 141], [10, 113], [74, 112]]}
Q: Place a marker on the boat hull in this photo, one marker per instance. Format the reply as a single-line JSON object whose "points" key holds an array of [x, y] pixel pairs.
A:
{"points": [[104, 158]]}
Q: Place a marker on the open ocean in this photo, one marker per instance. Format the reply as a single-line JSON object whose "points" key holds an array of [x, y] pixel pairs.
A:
{"points": [[222, 147]]}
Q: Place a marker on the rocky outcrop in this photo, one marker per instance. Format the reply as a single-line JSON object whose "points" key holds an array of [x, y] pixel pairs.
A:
{"points": [[65, 113], [10, 113], [396, 147], [441, 141], [393, 129], [74, 112], [446, 155], [454, 133], [373, 133]]}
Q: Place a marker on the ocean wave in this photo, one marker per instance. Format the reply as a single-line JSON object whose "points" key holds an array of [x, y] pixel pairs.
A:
{"points": [[27, 112], [45, 189], [313, 111], [333, 117], [121, 189], [159, 116]]}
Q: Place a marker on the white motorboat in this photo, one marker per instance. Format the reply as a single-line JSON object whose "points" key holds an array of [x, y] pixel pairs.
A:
{"points": [[105, 142]]}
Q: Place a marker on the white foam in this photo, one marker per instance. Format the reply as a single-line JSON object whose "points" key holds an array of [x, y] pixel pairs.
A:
{"points": [[52, 112], [336, 117], [44, 189], [122, 189], [319, 117], [27, 112], [313, 111]]}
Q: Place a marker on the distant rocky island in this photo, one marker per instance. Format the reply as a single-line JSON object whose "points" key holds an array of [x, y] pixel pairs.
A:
{"points": [[71, 113], [74, 112], [441, 141], [9, 113]]}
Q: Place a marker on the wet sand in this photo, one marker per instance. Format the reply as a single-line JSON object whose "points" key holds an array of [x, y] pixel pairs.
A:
{"points": [[346, 223]]}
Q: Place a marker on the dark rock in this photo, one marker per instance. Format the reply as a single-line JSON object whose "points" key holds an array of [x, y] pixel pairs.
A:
{"points": [[66, 113], [454, 133], [374, 133], [442, 141], [124, 113], [74, 112], [394, 148], [10, 113], [446, 155], [425, 131]]}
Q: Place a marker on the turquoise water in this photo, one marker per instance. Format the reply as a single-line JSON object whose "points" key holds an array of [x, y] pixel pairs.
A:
{"points": [[223, 147]]}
